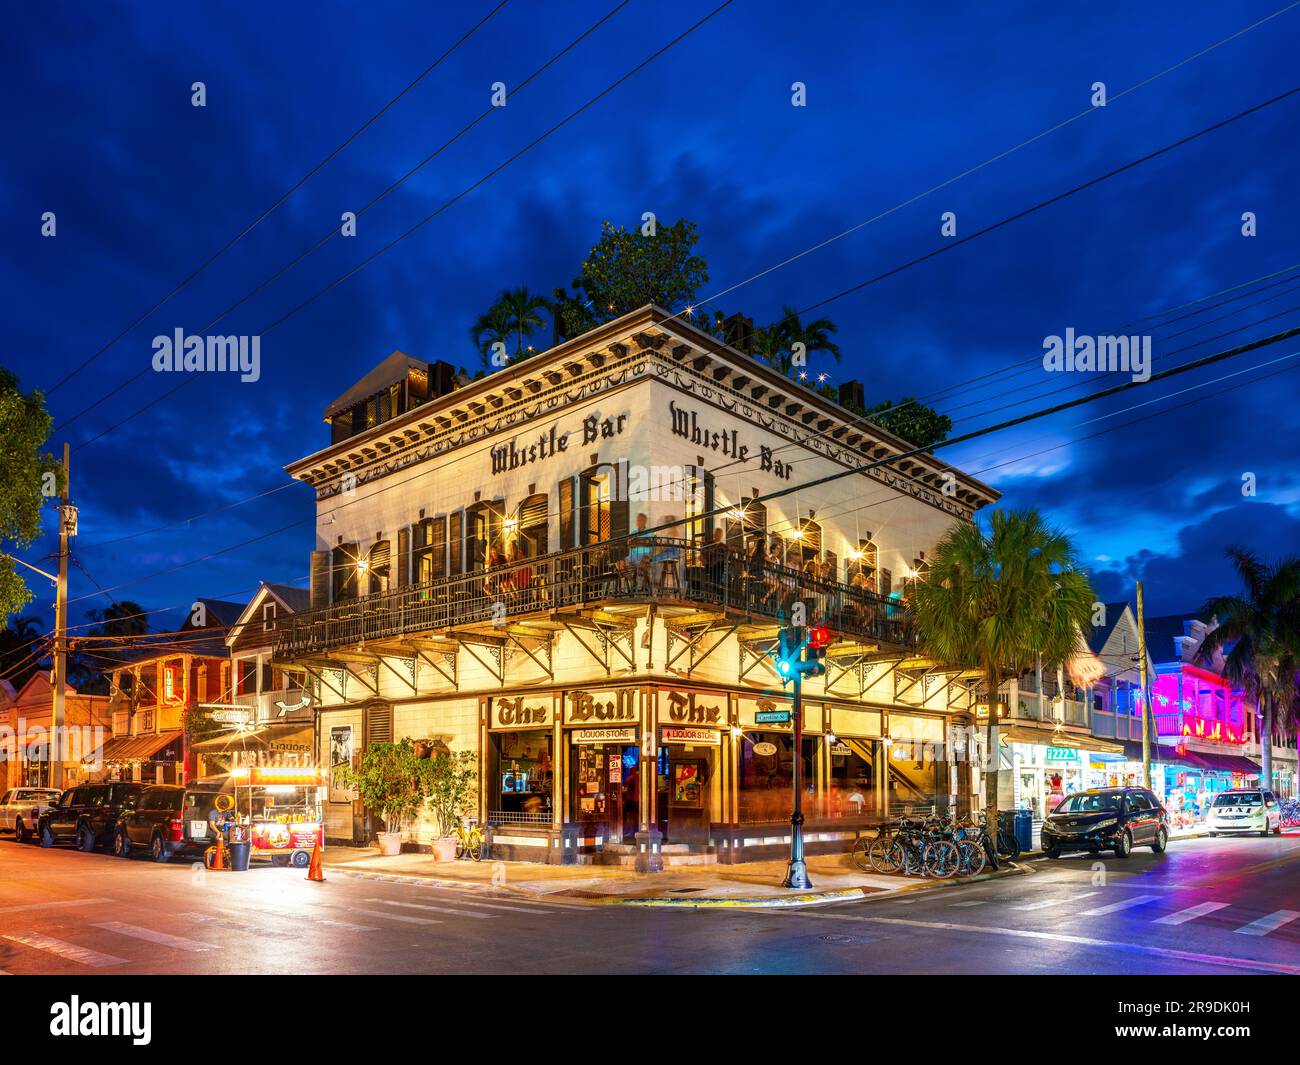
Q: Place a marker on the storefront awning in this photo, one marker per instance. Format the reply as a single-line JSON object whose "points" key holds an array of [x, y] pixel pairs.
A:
{"points": [[134, 748], [1205, 761], [1046, 737]]}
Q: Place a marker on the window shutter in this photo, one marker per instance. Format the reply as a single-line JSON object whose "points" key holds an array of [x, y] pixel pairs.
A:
{"points": [[618, 505], [566, 514], [439, 568], [379, 723], [403, 556], [708, 504], [456, 562], [320, 579]]}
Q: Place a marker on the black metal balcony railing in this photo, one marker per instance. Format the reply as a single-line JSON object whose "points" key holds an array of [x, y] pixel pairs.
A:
{"points": [[630, 570]]}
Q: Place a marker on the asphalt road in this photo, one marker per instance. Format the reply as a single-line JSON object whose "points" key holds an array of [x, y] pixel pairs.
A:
{"points": [[1218, 906]]}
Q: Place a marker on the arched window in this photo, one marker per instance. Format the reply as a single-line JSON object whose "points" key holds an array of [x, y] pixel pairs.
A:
{"points": [[864, 561], [377, 568], [746, 524], [483, 523], [807, 544], [343, 573]]}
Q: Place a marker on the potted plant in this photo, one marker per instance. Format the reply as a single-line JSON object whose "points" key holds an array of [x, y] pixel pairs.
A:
{"points": [[450, 784], [390, 781]]}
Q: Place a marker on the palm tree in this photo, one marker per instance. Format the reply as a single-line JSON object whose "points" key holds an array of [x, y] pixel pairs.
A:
{"points": [[814, 336], [1258, 637], [523, 310], [492, 327], [997, 599]]}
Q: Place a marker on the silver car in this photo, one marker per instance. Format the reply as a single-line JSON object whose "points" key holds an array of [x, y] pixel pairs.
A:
{"points": [[21, 809]]}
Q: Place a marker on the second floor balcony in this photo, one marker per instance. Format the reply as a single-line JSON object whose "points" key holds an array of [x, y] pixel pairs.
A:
{"points": [[633, 571]]}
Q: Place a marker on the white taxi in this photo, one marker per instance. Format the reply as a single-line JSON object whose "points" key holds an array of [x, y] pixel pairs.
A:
{"points": [[1245, 810]]}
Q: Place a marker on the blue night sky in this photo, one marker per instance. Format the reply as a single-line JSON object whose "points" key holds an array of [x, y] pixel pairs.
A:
{"points": [[900, 97]]}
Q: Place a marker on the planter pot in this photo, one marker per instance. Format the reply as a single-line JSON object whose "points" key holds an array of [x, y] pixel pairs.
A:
{"points": [[444, 848], [390, 843]]}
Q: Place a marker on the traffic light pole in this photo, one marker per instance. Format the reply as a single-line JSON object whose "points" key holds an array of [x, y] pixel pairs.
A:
{"points": [[796, 875]]}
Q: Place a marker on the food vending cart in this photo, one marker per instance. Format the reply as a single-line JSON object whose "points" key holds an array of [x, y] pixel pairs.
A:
{"points": [[283, 808]]}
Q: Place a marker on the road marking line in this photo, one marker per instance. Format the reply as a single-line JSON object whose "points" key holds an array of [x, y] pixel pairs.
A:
{"points": [[1054, 902], [71, 951], [973, 902], [397, 917], [1226, 961], [150, 936], [52, 905], [1268, 924], [1190, 914], [1114, 907], [435, 909]]}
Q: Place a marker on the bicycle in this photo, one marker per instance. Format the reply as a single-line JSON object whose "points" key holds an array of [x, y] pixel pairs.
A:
{"points": [[470, 839]]}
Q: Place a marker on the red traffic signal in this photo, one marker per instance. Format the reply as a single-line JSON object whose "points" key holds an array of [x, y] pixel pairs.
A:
{"points": [[819, 638]]}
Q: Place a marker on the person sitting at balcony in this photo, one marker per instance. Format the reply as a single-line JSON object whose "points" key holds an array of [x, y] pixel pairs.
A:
{"points": [[521, 576], [494, 584], [861, 593], [635, 568], [714, 557]]}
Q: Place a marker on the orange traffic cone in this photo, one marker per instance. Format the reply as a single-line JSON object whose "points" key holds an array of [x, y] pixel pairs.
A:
{"points": [[314, 871], [219, 862]]}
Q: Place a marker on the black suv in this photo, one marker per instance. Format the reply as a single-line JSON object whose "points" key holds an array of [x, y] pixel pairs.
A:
{"points": [[1117, 819], [87, 814], [167, 819]]}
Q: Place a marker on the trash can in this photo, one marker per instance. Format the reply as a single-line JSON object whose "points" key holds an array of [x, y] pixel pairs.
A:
{"points": [[240, 847], [1024, 829]]}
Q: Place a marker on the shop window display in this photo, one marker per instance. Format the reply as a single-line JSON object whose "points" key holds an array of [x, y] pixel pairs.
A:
{"points": [[765, 775], [522, 777]]}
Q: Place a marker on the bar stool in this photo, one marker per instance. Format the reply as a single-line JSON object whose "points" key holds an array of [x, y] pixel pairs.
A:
{"points": [[668, 575]]}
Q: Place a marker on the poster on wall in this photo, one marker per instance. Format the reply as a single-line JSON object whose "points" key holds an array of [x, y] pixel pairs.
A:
{"points": [[687, 785], [340, 756]]}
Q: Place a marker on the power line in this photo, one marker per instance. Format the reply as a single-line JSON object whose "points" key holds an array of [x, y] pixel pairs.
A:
{"points": [[334, 230], [430, 217], [284, 196]]}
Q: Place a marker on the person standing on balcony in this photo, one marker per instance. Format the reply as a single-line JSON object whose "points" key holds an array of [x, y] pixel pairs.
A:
{"points": [[635, 568]]}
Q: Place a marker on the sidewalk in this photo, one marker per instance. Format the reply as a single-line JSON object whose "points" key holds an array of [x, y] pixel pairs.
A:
{"points": [[753, 884]]}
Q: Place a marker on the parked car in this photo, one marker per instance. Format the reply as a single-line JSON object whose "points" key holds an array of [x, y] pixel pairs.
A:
{"points": [[1246, 810], [87, 814], [21, 809], [1117, 819], [167, 819]]}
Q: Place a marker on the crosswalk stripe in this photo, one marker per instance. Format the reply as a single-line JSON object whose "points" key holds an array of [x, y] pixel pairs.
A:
{"points": [[1136, 900], [1190, 914], [1045, 903], [1268, 924], [435, 909], [61, 903], [71, 951], [150, 936], [499, 906], [397, 917]]}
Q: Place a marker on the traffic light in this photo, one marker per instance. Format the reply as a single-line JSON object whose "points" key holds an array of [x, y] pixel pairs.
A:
{"points": [[819, 638], [801, 651]]}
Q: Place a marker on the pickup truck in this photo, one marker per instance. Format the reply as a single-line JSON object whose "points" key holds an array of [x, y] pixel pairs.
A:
{"points": [[21, 809]]}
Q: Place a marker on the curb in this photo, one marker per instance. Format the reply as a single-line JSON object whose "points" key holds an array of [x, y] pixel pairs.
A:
{"points": [[752, 902], [433, 881]]}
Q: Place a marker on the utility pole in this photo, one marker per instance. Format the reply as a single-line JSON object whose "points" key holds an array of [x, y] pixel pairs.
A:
{"points": [[67, 528], [1144, 680], [796, 874]]}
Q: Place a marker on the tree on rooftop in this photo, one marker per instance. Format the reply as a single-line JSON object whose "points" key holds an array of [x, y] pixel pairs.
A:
{"points": [[919, 425], [626, 270]]}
